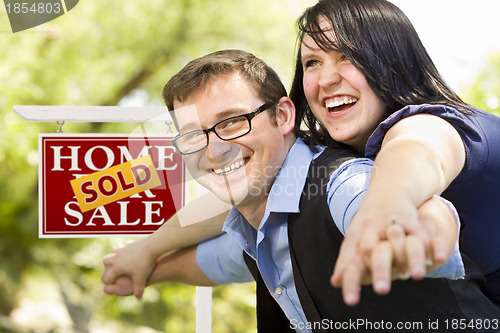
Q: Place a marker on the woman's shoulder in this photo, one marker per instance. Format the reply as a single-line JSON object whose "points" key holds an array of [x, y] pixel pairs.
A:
{"points": [[447, 112], [465, 123], [478, 129]]}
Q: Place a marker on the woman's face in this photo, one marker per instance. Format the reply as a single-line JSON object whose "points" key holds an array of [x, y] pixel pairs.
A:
{"points": [[339, 95]]}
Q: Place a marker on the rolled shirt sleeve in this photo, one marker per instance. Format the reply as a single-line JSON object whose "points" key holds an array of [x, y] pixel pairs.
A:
{"points": [[454, 265], [346, 190], [221, 260]]}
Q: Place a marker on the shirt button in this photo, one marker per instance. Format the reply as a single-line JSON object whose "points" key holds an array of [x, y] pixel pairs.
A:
{"points": [[278, 290]]}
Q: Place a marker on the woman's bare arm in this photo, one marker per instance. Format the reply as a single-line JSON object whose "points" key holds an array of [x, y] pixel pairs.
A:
{"points": [[419, 158]]}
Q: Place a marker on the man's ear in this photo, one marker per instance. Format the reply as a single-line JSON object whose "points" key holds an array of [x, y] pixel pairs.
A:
{"points": [[285, 114]]}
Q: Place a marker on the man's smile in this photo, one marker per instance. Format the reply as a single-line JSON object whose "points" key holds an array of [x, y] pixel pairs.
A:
{"points": [[230, 168]]}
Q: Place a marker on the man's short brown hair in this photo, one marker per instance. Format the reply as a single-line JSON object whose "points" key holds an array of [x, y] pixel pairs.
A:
{"points": [[198, 73]]}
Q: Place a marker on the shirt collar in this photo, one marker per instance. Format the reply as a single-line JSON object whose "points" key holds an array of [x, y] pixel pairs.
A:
{"points": [[286, 191], [284, 196]]}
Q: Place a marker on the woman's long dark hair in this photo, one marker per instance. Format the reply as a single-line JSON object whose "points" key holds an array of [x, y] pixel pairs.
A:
{"points": [[381, 42]]}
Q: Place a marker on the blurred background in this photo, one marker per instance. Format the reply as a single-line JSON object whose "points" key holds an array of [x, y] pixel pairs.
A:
{"points": [[122, 53]]}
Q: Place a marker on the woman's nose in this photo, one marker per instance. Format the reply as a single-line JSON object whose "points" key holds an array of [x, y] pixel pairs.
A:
{"points": [[329, 76]]}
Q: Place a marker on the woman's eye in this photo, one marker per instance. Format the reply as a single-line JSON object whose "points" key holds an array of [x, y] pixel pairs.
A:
{"points": [[311, 63], [343, 58]]}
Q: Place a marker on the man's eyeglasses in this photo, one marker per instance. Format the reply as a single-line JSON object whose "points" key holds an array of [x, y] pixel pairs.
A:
{"points": [[227, 129]]}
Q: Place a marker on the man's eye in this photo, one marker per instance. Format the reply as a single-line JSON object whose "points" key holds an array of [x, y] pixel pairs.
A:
{"points": [[232, 123], [193, 136]]}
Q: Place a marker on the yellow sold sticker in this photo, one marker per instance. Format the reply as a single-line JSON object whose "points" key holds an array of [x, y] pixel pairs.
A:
{"points": [[115, 183]]}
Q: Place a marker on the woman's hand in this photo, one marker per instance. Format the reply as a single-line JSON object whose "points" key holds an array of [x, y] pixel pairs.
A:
{"points": [[397, 254], [122, 286], [420, 156], [133, 261]]}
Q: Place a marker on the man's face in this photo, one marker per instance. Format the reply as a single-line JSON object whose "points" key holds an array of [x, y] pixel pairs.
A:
{"points": [[240, 171]]}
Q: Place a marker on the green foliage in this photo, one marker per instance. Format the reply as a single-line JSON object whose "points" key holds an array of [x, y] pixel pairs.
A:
{"points": [[98, 54], [484, 93]]}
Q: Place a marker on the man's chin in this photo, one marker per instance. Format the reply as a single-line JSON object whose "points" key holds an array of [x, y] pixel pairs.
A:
{"points": [[232, 192], [231, 196]]}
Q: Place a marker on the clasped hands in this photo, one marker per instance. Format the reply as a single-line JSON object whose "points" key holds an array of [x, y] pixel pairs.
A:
{"points": [[127, 269], [372, 252]]}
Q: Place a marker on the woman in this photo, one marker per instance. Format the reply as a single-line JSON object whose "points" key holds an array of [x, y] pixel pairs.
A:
{"points": [[364, 79]]}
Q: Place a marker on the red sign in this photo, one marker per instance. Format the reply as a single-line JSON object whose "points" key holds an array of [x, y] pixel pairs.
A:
{"points": [[65, 157]]}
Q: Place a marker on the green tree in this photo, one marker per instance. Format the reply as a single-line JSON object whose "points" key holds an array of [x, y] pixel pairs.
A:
{"points": [[484, 93]]}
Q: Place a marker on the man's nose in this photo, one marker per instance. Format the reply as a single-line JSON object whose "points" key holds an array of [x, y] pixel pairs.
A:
{"points": [[217, 148]]}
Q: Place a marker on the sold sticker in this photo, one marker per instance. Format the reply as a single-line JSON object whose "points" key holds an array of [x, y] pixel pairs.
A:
{"points": [[115, 183]]}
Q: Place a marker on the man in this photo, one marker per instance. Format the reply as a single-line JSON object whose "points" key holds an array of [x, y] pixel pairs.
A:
{"points": [[237, 136]]}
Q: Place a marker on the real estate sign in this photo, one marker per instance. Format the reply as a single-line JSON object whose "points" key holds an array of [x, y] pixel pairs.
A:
{"points": [[97, 185]]}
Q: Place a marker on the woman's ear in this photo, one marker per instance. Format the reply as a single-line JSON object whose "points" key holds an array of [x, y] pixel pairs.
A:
{"points": [[285, 114]]}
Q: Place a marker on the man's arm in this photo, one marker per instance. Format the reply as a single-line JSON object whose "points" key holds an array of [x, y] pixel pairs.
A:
{"points": [[217, 261], [200, 220], [175, 266]]}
